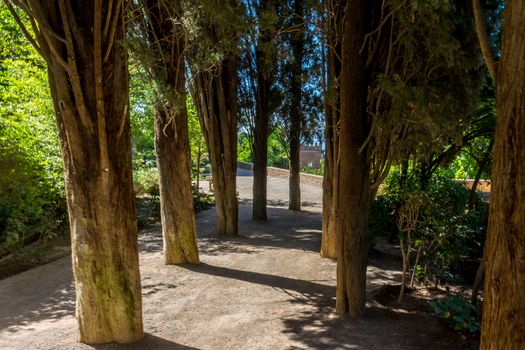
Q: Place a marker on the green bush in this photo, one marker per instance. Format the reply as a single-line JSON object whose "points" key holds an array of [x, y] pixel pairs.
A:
{"points": [[315, 171], [146, 186], [146, 182], [458, 313], [381, 218], [32, 199], [31, 206], [201, 200], [447, 231]]}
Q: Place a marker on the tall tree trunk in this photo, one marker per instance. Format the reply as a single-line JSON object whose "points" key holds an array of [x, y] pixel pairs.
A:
{"points": [[332, 111], [88, 78], [260, 149], [328, 239], [503, 324], [214, 93], [171, 133], [297, 43], [352, 190], [176, 198]]}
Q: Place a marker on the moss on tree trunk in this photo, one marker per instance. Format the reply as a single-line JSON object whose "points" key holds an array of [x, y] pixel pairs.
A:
{"points": [[88, 78], [171, 132]]}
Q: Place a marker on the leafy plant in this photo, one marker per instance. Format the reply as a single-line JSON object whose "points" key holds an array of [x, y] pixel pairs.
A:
{"points": [[447, 231], [202, 200], [32, 197], [315, 171], [146, 182], [458, 313]]}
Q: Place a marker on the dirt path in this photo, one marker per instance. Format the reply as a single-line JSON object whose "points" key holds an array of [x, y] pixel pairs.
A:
{"points": [[268, 289]]}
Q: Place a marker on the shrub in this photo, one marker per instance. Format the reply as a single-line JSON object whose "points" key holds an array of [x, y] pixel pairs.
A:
{"points": [[146, 182], [32, 200], [381, 218], [31, 206], [458, 313], [201, 200], [447, 231], [146, 186]]}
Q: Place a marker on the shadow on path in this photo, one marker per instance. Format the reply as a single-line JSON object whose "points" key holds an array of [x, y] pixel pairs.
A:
{"points": [[310, 293], [149, 342], [284, 229], [30, 306], [317, 327]]}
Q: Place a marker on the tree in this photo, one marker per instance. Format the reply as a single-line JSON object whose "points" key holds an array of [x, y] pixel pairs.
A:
{"points": [[297, 44], [503, 322], [424, 82], [264, 54], [212, 57], [332, 113], [88, 78], [159, 45], [352, 191], [256, 95]]}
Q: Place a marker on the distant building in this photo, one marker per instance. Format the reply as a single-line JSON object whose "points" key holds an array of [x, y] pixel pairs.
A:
{"points": [[310, 156]]}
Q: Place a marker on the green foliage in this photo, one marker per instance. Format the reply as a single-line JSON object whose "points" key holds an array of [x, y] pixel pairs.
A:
{"points": [[199, 150], [477, 143], [244, 149], [458, 313], [146, 185], [427, 81], [32, 200], [380, 220], [277, 150], [141, 95], [146, 182], [211, 31], [314, 171], [201, 200], [447, 231]]}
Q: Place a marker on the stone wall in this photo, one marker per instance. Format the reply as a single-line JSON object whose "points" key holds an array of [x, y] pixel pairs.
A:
{"points": [[315, 180]]}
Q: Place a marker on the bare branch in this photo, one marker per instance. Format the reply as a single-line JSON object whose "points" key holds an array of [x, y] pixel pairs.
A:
{"points": [[113, 30], [24, 28], [481, 30], [73, 70]]}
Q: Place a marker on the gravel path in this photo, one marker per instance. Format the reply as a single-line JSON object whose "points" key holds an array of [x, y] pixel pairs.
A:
{"points": [[267, 289]]}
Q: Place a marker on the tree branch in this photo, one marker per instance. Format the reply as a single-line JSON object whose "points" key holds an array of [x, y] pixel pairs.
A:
{"points": [[28, 36], [481, 31]]}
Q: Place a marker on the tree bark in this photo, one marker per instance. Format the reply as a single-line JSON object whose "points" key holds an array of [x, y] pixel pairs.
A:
{"points": [[478, 280], [328, 238], [297, 44], [352, 190], [176, 198], [503, 325], [214, 93], [332, 112], [88, 78], [260, 149], [171, 132]]}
